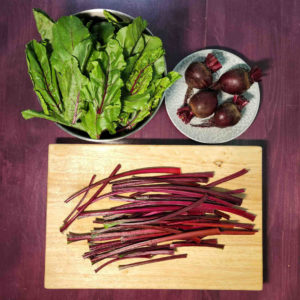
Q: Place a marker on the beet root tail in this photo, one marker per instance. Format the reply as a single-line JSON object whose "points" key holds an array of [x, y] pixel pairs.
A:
{"points": [[188, 95], [215, 86], [206, 124]]}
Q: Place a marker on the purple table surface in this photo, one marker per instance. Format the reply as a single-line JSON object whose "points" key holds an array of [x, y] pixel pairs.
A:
{"points": [[266, 32]]}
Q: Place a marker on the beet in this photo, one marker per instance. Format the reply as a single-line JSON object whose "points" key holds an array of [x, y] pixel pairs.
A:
{"points": [[199, 74], [227, 114], [237, 81], [201, 105], [204, 103]]}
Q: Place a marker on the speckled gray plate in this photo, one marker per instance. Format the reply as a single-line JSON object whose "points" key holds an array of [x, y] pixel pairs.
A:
{"points": [[175, 94]]}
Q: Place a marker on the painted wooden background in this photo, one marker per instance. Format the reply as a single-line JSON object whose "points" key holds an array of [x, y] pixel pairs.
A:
{"points": [[264, 31]]}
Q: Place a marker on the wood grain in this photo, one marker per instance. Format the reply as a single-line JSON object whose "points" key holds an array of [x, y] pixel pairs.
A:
{"points": [[264, 31], [238, 266]]}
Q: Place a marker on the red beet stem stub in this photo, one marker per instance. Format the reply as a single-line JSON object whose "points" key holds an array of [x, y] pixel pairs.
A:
{"points": [[212, 63], [185, 114], [240, 101], [255, 74]]}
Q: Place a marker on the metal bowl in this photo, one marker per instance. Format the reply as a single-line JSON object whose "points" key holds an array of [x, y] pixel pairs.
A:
{"points": [[98, 13]]}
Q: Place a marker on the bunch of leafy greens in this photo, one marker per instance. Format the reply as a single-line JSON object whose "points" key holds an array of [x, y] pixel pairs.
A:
{"points": [[96, 76]]}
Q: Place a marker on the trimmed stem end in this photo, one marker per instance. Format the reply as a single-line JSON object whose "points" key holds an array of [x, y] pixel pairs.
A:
{"points": [[255, 74], [212, 63]]}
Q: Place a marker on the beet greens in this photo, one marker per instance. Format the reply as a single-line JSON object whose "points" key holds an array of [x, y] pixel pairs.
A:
{"points": [[99, 76]]}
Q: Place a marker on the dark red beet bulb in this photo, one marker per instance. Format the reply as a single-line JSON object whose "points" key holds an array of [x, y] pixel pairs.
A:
{"points": [[201, 105], [227, 114], [198, 75], [204, 103], [237, 81]]}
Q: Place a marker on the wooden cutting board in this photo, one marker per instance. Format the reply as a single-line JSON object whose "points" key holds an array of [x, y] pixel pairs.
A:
{"points": [[237, 267]]}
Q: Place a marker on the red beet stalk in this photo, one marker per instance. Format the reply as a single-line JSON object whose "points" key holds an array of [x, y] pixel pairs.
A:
{"points": [[188, 191], [84, 206], [171, 188], [185, 235], [82, 199], [175, 246], [173, 209], [145, 262], [227, 178], [171, 170], [114, 260]]}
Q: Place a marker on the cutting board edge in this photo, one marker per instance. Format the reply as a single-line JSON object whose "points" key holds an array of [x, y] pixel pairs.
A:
{"points": [[260, 288], [51, 146]]}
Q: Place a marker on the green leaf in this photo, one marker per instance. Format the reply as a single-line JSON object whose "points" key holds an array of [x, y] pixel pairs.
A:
{"points": [[105, 88], [43, 77], [110, 115], [88, 24], [129, 36], [70, 39], [138, 107], [95, 56], [149, 44], [152, 43], [159, 68], [141, 75], [113, 20], [133, 103], [29, 114], [140, 117], [124, 118], [89, 121], [110, 17], [142, 72], [131, 61], [103, 32], [43, 23], [161, 85], [71, 81]]}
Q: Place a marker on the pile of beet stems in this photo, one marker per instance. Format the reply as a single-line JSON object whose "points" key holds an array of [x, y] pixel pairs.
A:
{"points": [[161, 213]]}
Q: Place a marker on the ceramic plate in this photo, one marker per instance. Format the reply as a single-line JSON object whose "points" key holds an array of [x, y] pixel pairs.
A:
{"points": [[174, 99]]}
